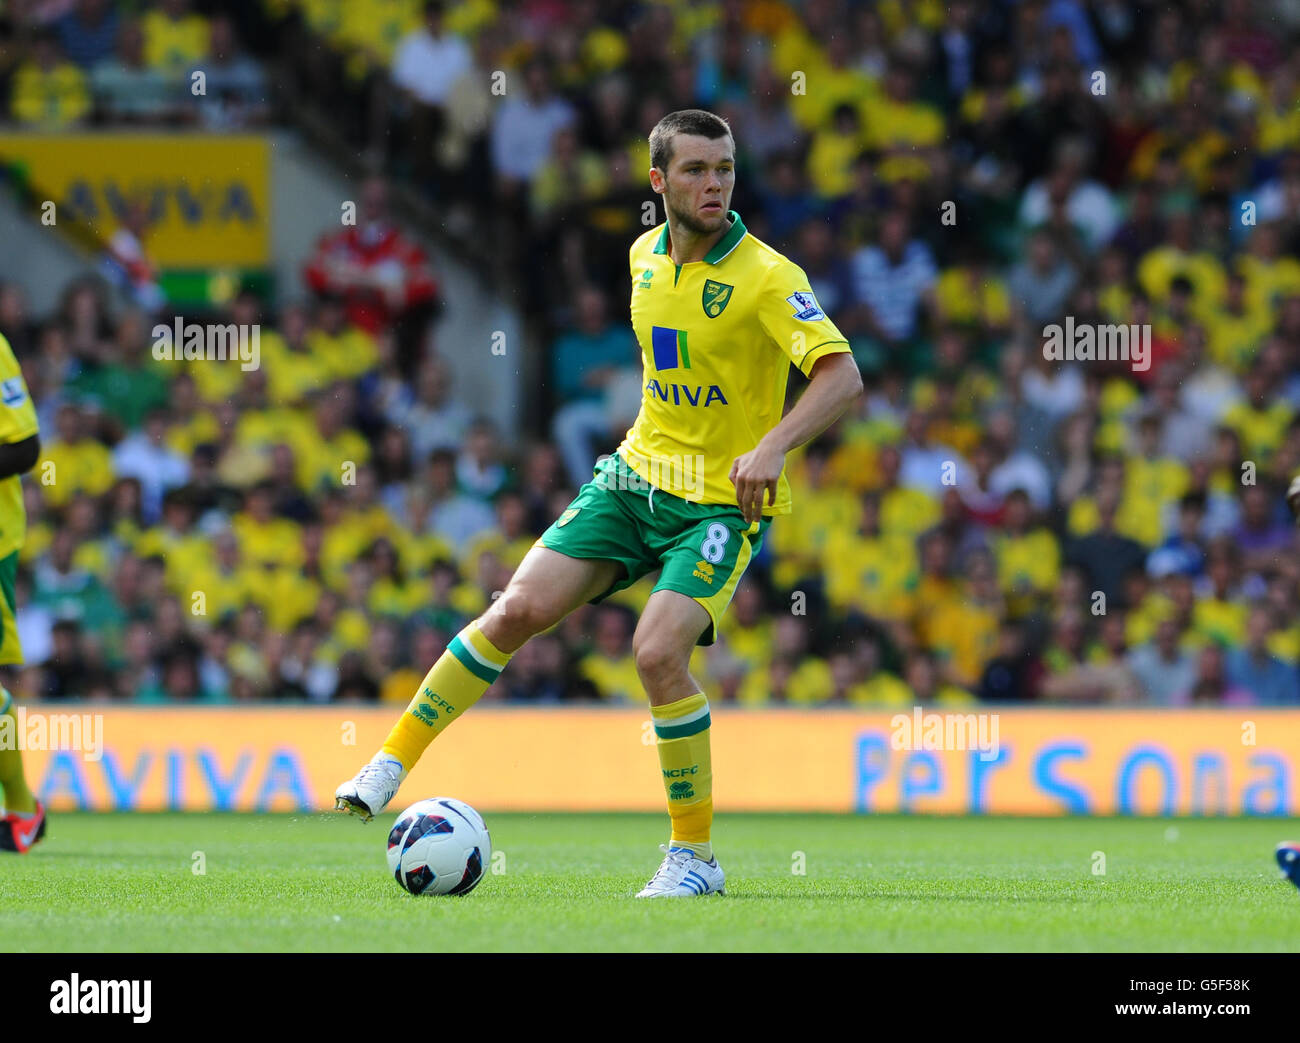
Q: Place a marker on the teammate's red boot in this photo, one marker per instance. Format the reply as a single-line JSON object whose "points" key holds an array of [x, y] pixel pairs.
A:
{"points": [[18, 832]]}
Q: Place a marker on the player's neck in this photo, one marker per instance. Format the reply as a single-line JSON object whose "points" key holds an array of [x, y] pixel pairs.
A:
{"points": [[685, 246]]}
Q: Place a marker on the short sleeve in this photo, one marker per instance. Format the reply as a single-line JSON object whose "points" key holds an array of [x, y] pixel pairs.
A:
{"points": [[792, 318]]}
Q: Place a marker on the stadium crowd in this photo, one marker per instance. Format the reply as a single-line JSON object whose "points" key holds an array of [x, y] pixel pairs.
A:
{"points": [[989, 525]]}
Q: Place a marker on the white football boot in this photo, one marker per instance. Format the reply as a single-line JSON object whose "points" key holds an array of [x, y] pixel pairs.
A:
{"points": [[682, 875], [374, 786]]}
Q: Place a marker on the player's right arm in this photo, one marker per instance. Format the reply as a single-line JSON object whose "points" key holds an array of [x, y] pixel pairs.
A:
{"points": [[792, 319]]}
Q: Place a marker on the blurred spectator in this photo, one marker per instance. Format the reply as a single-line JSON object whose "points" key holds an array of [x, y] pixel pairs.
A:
{"points": [[434, 419], [585, 363], [175, 37], [235, 89], [895, 278], [525, 126], [126, 263], [48, 91], [88, 33], [127, 88], [1043, 282], [143, 455], [429, 60], [383, 278], [1254, 669]]}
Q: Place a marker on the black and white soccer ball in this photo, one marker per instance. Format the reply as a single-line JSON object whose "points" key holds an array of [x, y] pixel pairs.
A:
{"points": [[439, 846]]}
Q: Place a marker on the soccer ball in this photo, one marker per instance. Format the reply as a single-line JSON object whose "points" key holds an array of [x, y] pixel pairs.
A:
{"points": [[439, 846]]}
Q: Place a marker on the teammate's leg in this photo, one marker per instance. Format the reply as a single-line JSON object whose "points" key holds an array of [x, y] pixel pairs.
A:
{"points": [[665, 637], [13, 784], [22, 816], [545, 588]]}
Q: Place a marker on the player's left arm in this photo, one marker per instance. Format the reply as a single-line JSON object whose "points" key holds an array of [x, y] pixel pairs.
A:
{"points": [[835, 382], [20, 442]]}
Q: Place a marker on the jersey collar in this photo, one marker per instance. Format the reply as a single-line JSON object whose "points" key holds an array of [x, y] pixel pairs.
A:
{"points": [[721, 248]]}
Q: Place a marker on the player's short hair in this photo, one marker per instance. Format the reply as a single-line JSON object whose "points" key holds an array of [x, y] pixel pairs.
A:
{"points": [[684, 121]]}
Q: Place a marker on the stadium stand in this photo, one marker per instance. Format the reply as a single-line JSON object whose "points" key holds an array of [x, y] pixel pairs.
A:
{"points": [[988, 525]]}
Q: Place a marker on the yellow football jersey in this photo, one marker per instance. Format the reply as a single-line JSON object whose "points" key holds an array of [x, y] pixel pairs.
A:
{"points": [[717, 338], [17, 423]]}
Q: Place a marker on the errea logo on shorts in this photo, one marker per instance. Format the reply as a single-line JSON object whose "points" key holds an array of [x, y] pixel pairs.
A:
{"points": [[94, 996]]}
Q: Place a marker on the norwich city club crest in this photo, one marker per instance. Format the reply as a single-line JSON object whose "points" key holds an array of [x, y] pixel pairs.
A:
{"points": [[716, 297], [568, 516]]}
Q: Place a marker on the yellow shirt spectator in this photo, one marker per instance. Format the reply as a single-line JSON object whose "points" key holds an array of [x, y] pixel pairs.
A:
{"points": [[376, 27], [966, 302], [1260, 428], [319, 461], [344, 355], [275, 542], [52, 97], [965, 634], [1218, 620], [830, 161], [185, 553], [1030, 562], [1234, 340], [84, 466], [1160, 266], [1266, 281], [875, 575], [810, 683], [881, 689], [907, 512], [174, 44], [893, 124], [615, 679]]}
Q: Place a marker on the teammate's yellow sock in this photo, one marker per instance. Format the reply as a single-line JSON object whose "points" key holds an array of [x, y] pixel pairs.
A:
{"points": [[14, 794], [454, 684], [682, 729]]}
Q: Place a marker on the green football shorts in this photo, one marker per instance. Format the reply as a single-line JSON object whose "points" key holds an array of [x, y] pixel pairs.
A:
{"points": [[703, 548]]}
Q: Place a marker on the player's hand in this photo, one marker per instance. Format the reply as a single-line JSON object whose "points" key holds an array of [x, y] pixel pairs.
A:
{"points": [[755, 475]]}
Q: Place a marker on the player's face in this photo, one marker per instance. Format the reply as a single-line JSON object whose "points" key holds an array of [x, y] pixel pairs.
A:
{"points": [[700, 179]]}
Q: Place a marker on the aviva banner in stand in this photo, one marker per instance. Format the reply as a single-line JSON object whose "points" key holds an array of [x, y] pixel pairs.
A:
{"points": [[206, 197], [1016, 762]]}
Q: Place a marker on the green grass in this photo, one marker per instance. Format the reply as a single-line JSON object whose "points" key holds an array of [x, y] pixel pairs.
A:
{"points": [[308, 883]]}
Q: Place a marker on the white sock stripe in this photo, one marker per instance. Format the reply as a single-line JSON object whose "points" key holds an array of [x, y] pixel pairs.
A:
{"points": [[478, 656], [672, 722]]}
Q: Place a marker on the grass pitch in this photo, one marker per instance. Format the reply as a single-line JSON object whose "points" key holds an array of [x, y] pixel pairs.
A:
{"points": [[125, 883]]}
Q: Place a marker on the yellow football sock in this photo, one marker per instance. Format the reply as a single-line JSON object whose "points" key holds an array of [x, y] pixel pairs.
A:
{"points": [[14, 794], [454, 684], [683, 733]]}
